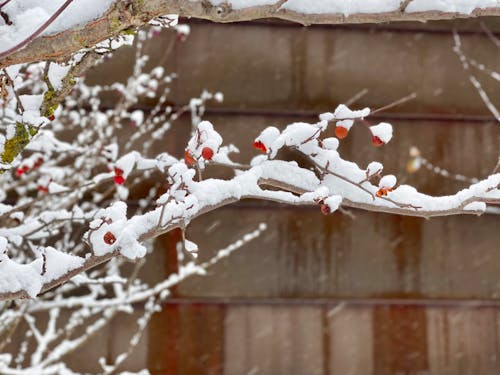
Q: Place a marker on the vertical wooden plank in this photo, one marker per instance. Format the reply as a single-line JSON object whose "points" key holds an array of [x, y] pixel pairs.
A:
{"points": [[187, 339], [462, 340], [306, 340], [400, 339], [275, 340], [351, 340], [236, 341], [121, 330]]}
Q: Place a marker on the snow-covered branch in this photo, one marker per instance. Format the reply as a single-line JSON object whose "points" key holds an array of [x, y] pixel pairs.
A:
{"points": [[105, 19]]}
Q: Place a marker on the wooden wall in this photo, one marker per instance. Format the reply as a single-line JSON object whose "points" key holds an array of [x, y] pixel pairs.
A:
{"points": [[379, 294]]}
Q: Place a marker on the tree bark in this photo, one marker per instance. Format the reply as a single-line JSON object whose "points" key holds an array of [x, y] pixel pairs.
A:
{"points": [[131, 14]]}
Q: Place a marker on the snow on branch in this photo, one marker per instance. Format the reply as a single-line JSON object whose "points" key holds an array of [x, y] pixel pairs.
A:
{"points": [[105, 19], [336, 182], [76, 209]]}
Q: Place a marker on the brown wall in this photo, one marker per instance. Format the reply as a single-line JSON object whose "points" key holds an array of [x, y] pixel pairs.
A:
{"points": [[413, 296]]}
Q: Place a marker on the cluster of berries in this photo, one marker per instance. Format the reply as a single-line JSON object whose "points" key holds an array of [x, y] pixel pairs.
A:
{"points": [[207, 153], [23, 169]]}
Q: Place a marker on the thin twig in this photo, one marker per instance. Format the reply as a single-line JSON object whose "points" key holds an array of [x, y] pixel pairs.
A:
{"points": [[395, 103], [37, 32]]}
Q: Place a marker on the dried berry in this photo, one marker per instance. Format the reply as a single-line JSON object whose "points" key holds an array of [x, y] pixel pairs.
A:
{"points": [[188, 158], [382, 192]]}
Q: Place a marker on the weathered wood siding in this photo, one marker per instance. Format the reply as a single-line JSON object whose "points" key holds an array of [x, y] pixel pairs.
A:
{"points": [[380, 294]]}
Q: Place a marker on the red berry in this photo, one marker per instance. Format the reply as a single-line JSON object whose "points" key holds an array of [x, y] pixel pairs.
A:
{"points": [[42, 189], [325, 209], [376, 141], [181, 37], [52, 117], [38, 162], [341, 132], [109, 238], [119, 180], [188, 158], [118, 171], [207, 153], [19, 171], [260, 146]]}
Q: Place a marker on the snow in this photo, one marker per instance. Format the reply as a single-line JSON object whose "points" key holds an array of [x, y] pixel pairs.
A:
{"points": [[333, 202], [475, 206], [364, 6], [15, 277], [241, 4], [344, 7], [28, 15], [190, 246], [330, 143], [345, 123], [459, 6], [373, 168], [137, 117], [59, 263], [56, 74], [387, 182], [383, 131]]}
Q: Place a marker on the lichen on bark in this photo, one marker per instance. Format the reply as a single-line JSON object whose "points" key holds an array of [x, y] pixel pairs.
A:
{"points": [[15, 145]]}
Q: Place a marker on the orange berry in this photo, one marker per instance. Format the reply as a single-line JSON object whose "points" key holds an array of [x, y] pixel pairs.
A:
{"points": [[341, 132], [381, 192], [260, 146], [188, 158], [376, 141], [207, 153], [109, 238]]}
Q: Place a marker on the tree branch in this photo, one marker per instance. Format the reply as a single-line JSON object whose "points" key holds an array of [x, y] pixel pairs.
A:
{"points": [[135, 13]]}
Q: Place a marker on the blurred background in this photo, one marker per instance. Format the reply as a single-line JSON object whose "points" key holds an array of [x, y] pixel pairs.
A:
{"points": [[351, 293]]}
